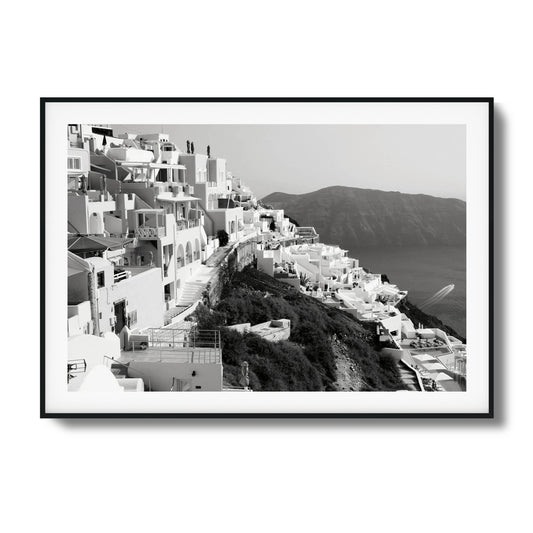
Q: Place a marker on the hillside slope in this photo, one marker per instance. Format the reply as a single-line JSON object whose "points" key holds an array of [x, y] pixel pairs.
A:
{"points": [[353, 217], [328, 350]]}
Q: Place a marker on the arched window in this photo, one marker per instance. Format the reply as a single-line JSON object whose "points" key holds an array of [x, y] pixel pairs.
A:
{"points": [[196, 250], [188, 253], [180, 257]]}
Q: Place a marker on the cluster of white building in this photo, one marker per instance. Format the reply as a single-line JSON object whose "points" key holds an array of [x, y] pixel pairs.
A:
{"points": [[144, 221], [144, 217], [327, 273], [429, 357]]}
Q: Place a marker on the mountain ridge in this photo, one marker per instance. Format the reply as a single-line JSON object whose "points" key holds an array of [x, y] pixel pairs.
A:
{"points": [[354, 217], [345, 187]]}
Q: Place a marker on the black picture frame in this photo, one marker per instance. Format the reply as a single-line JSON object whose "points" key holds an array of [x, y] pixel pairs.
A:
{"points": [[411, 415]]}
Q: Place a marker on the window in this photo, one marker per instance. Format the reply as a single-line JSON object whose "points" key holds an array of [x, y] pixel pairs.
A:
{"points": [[100, 279], [73, 163], [132, 318], [201, 176], [168, 292]]}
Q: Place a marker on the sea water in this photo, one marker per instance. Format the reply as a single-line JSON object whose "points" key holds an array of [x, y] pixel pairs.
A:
{"points": [[423, 271]]}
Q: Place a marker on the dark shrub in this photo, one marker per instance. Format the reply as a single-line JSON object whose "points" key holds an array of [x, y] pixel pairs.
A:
{"points": [[223, 237]]}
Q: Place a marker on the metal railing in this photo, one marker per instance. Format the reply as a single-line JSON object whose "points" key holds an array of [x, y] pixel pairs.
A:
{"points": [[186, 224], [119, 276], [150, 232], [181, 345], [194, 338]]}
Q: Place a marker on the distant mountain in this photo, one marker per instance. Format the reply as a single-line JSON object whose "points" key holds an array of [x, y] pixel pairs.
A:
{"points": [[359, 218]]}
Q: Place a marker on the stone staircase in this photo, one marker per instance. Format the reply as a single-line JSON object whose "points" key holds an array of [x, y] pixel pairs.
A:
{"points": [[192, 292], [408, 377]]}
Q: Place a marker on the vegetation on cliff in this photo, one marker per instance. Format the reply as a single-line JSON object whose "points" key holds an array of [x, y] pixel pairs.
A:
{"points": [[305, 362]]}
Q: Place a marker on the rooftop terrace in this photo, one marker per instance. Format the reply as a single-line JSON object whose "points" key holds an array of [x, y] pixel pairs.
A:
{"points": [[158, 345]]}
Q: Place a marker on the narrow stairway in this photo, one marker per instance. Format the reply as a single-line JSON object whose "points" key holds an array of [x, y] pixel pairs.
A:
{"points": [[408, 377], [192, 292]]}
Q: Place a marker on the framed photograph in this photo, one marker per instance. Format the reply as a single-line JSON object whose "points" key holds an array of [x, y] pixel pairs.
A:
{"points": [[267, 257]]}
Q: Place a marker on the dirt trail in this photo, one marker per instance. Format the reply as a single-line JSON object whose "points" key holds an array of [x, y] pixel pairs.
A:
{"points": [[348, 377]]}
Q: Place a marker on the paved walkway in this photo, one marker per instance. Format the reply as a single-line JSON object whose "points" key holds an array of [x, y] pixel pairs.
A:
{"points": [[220, 253]]}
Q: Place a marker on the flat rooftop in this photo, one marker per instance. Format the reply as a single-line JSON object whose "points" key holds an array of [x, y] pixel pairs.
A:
{"points": [[168, 345], [173, 355]]}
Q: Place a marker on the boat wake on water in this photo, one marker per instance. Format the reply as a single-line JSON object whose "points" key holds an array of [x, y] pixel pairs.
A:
{"points": [[437, 297]]}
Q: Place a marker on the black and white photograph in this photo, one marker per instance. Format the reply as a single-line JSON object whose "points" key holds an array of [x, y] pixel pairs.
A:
{"points": [[247, 258], [266, 267]]}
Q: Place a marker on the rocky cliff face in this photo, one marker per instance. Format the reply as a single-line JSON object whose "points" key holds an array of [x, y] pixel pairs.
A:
{"points": [[361, 218]]}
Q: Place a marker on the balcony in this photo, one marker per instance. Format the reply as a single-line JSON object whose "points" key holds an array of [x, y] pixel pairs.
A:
{"points": [[187, 224], [149, 224], [149, 232]]}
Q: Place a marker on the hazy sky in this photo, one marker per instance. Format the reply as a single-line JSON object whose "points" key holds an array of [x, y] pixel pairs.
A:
{"points": [[303, 158]]}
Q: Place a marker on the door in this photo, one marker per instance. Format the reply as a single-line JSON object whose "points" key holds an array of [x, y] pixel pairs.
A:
{"points": [[120, 315]]}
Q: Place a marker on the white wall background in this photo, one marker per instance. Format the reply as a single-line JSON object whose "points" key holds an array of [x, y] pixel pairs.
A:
{"points": [[81, 476]]}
